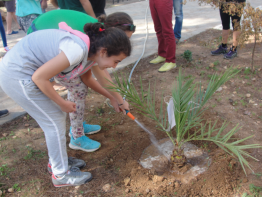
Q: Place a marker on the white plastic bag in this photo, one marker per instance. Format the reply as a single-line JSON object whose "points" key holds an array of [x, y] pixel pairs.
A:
{"points": [[171, 114]]}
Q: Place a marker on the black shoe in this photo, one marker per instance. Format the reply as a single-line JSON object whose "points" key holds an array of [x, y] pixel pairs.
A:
{"points": [[4, 113], [220, 50], [231, 54]]}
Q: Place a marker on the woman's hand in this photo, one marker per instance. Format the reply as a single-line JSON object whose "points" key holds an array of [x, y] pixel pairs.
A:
{"points": [[124, 106], [68, 106]]}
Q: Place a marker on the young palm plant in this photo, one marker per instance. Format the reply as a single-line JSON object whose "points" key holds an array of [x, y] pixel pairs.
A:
{"points": [[188, 99]]}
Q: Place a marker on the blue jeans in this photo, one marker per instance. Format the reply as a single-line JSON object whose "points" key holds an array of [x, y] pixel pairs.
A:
{"points": [[178, 9], [2, 30]]}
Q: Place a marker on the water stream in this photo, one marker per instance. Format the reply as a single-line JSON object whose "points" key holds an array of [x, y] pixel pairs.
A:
{"points": [[152, 138]]}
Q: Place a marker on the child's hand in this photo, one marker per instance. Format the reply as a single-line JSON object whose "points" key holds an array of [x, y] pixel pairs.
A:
{"points": [[114, 104], [124, 106], [68, 106]]}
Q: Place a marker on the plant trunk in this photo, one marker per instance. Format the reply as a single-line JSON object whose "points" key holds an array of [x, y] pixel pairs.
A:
{"points": [[253, 53], [178, 158]]}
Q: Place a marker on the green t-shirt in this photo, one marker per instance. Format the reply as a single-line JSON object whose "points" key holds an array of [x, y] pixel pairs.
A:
{"points": [[50, 20]]}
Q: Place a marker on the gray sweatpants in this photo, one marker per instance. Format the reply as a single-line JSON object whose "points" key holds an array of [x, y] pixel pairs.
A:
{"points": [[48, 115]]}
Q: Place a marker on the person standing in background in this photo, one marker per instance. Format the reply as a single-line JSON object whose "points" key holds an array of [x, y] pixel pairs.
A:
{"points": [[225, 19], [10, 8], [161, 11], [178, 10], [27, 11]]}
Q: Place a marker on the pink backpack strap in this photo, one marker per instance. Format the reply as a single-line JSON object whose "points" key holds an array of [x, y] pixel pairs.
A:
{"points": [[81, 35]]}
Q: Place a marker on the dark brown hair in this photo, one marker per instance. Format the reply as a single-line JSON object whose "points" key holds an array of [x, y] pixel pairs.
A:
{"points": [[117, 19], [113, 39]]}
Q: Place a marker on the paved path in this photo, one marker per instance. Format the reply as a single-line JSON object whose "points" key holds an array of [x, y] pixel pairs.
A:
{"points": [[196, 19]]}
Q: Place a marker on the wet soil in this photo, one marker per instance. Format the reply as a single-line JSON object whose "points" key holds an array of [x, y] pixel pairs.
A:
{"points": [[24, 155]]}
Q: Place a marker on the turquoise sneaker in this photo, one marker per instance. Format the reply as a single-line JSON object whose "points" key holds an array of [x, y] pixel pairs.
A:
{"points": [[88, 129], [84, 143]]}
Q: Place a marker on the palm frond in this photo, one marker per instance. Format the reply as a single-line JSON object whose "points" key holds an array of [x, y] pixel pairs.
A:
{"points": [[225, 142]]}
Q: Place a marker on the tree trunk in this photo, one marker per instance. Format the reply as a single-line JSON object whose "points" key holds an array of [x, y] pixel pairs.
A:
{"points": [[253, 53]]}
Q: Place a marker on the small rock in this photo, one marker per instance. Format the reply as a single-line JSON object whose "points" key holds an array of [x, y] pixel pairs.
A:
{"points": [[106, 187], [92, 106], [4, 134], [177, 185], [111, 160], [80, 196], [248, 95], [24, 117], [147, 190], [91, 109], [1, 192], [127, 181], [11, 190], [145, 95], [77, 187], [225, 67], [225, 87], [243, 82], [247, 113], [245, 180], [157, 178], [250, 101], [26, 125], [211, 65], [254, 79], [219, 89], [14, 137], [127, 190], [234, 92]]}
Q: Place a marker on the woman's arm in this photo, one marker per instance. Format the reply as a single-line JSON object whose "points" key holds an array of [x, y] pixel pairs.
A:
{"points": [[104, 79], [42, 75], [88, 7]]}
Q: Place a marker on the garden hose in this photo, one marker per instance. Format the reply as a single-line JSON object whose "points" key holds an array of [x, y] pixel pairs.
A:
{"points": [[130, 115]]}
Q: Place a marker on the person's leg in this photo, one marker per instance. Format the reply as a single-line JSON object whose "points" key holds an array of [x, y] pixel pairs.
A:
{"points": [[225, 19], [8, 23], [178, 10], [225, 34], [158, 29], [51, 119], [164, 10], [47, 114], [15, 19], [236, 33], [77, 92], [10, 7], [2, 30]]}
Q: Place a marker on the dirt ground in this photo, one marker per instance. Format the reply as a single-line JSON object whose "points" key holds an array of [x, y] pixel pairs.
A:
{"points": [[23, 164]]}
